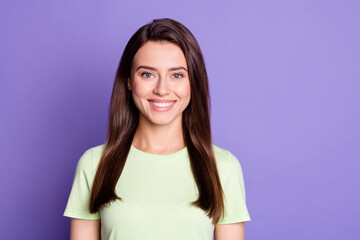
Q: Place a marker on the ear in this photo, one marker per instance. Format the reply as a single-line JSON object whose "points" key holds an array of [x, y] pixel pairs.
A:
{"points": [[129, 84]]}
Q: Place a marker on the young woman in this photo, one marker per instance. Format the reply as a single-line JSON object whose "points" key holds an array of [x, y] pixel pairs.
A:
{"points": [[158, 175]]}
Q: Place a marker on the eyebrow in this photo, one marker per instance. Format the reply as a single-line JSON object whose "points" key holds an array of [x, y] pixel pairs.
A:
{"points": [[154, 69]]}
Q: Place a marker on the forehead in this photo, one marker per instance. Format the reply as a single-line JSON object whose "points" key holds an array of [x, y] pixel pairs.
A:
{"points": [[158, 54]]}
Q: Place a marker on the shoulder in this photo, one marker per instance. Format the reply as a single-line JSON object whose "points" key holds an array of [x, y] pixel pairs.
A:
{"points": [[226, 161], [224, 156], [97, 152], [91, 158], [219, 152]]}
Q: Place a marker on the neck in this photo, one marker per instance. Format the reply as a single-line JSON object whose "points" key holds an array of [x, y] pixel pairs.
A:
{"points": [[159, 138]]}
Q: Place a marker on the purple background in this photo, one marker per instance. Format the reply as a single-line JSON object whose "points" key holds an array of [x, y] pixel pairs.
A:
{"points": [[285, 89]]}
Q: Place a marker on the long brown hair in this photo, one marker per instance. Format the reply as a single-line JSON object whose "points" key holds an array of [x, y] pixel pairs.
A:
{"points": [[124, 117]]}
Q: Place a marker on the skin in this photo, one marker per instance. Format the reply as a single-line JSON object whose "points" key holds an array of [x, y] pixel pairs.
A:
{"points": [[159, 71], [233, 231], [81, 229], [159, 132]]}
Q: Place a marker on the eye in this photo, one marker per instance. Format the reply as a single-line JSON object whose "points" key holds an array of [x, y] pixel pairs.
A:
{"points": [[177, 75], [146, 75]]}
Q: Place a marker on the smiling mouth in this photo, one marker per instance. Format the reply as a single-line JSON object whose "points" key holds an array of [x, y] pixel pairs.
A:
{"points": [[162, 104]]}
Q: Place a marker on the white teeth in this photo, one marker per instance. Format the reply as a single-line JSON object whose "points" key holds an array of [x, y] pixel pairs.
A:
{"points": [[162, 104]]}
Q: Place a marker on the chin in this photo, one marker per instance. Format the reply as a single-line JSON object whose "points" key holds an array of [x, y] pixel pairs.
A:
{"points": [[164, 122]]}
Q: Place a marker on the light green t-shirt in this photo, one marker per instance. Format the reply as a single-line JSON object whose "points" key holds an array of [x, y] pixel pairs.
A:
{"points": [[156, 191]]}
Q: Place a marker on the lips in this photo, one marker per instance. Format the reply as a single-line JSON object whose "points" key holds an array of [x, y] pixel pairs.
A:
{"points": [[161, 105], [161, 100]]}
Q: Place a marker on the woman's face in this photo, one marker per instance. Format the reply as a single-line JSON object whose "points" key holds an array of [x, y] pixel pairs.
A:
{"points": [[160, 82]]}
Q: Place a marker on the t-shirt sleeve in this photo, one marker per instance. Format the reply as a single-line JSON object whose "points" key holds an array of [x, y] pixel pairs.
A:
{"points": [[234, 193], [78, 201]]}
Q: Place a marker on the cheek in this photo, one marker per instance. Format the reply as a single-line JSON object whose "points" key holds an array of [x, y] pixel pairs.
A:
{"points": [[184, 91], [139, 90]]}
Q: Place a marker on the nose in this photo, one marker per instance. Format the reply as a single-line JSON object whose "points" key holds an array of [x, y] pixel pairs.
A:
{"points": [[162, 86]]}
